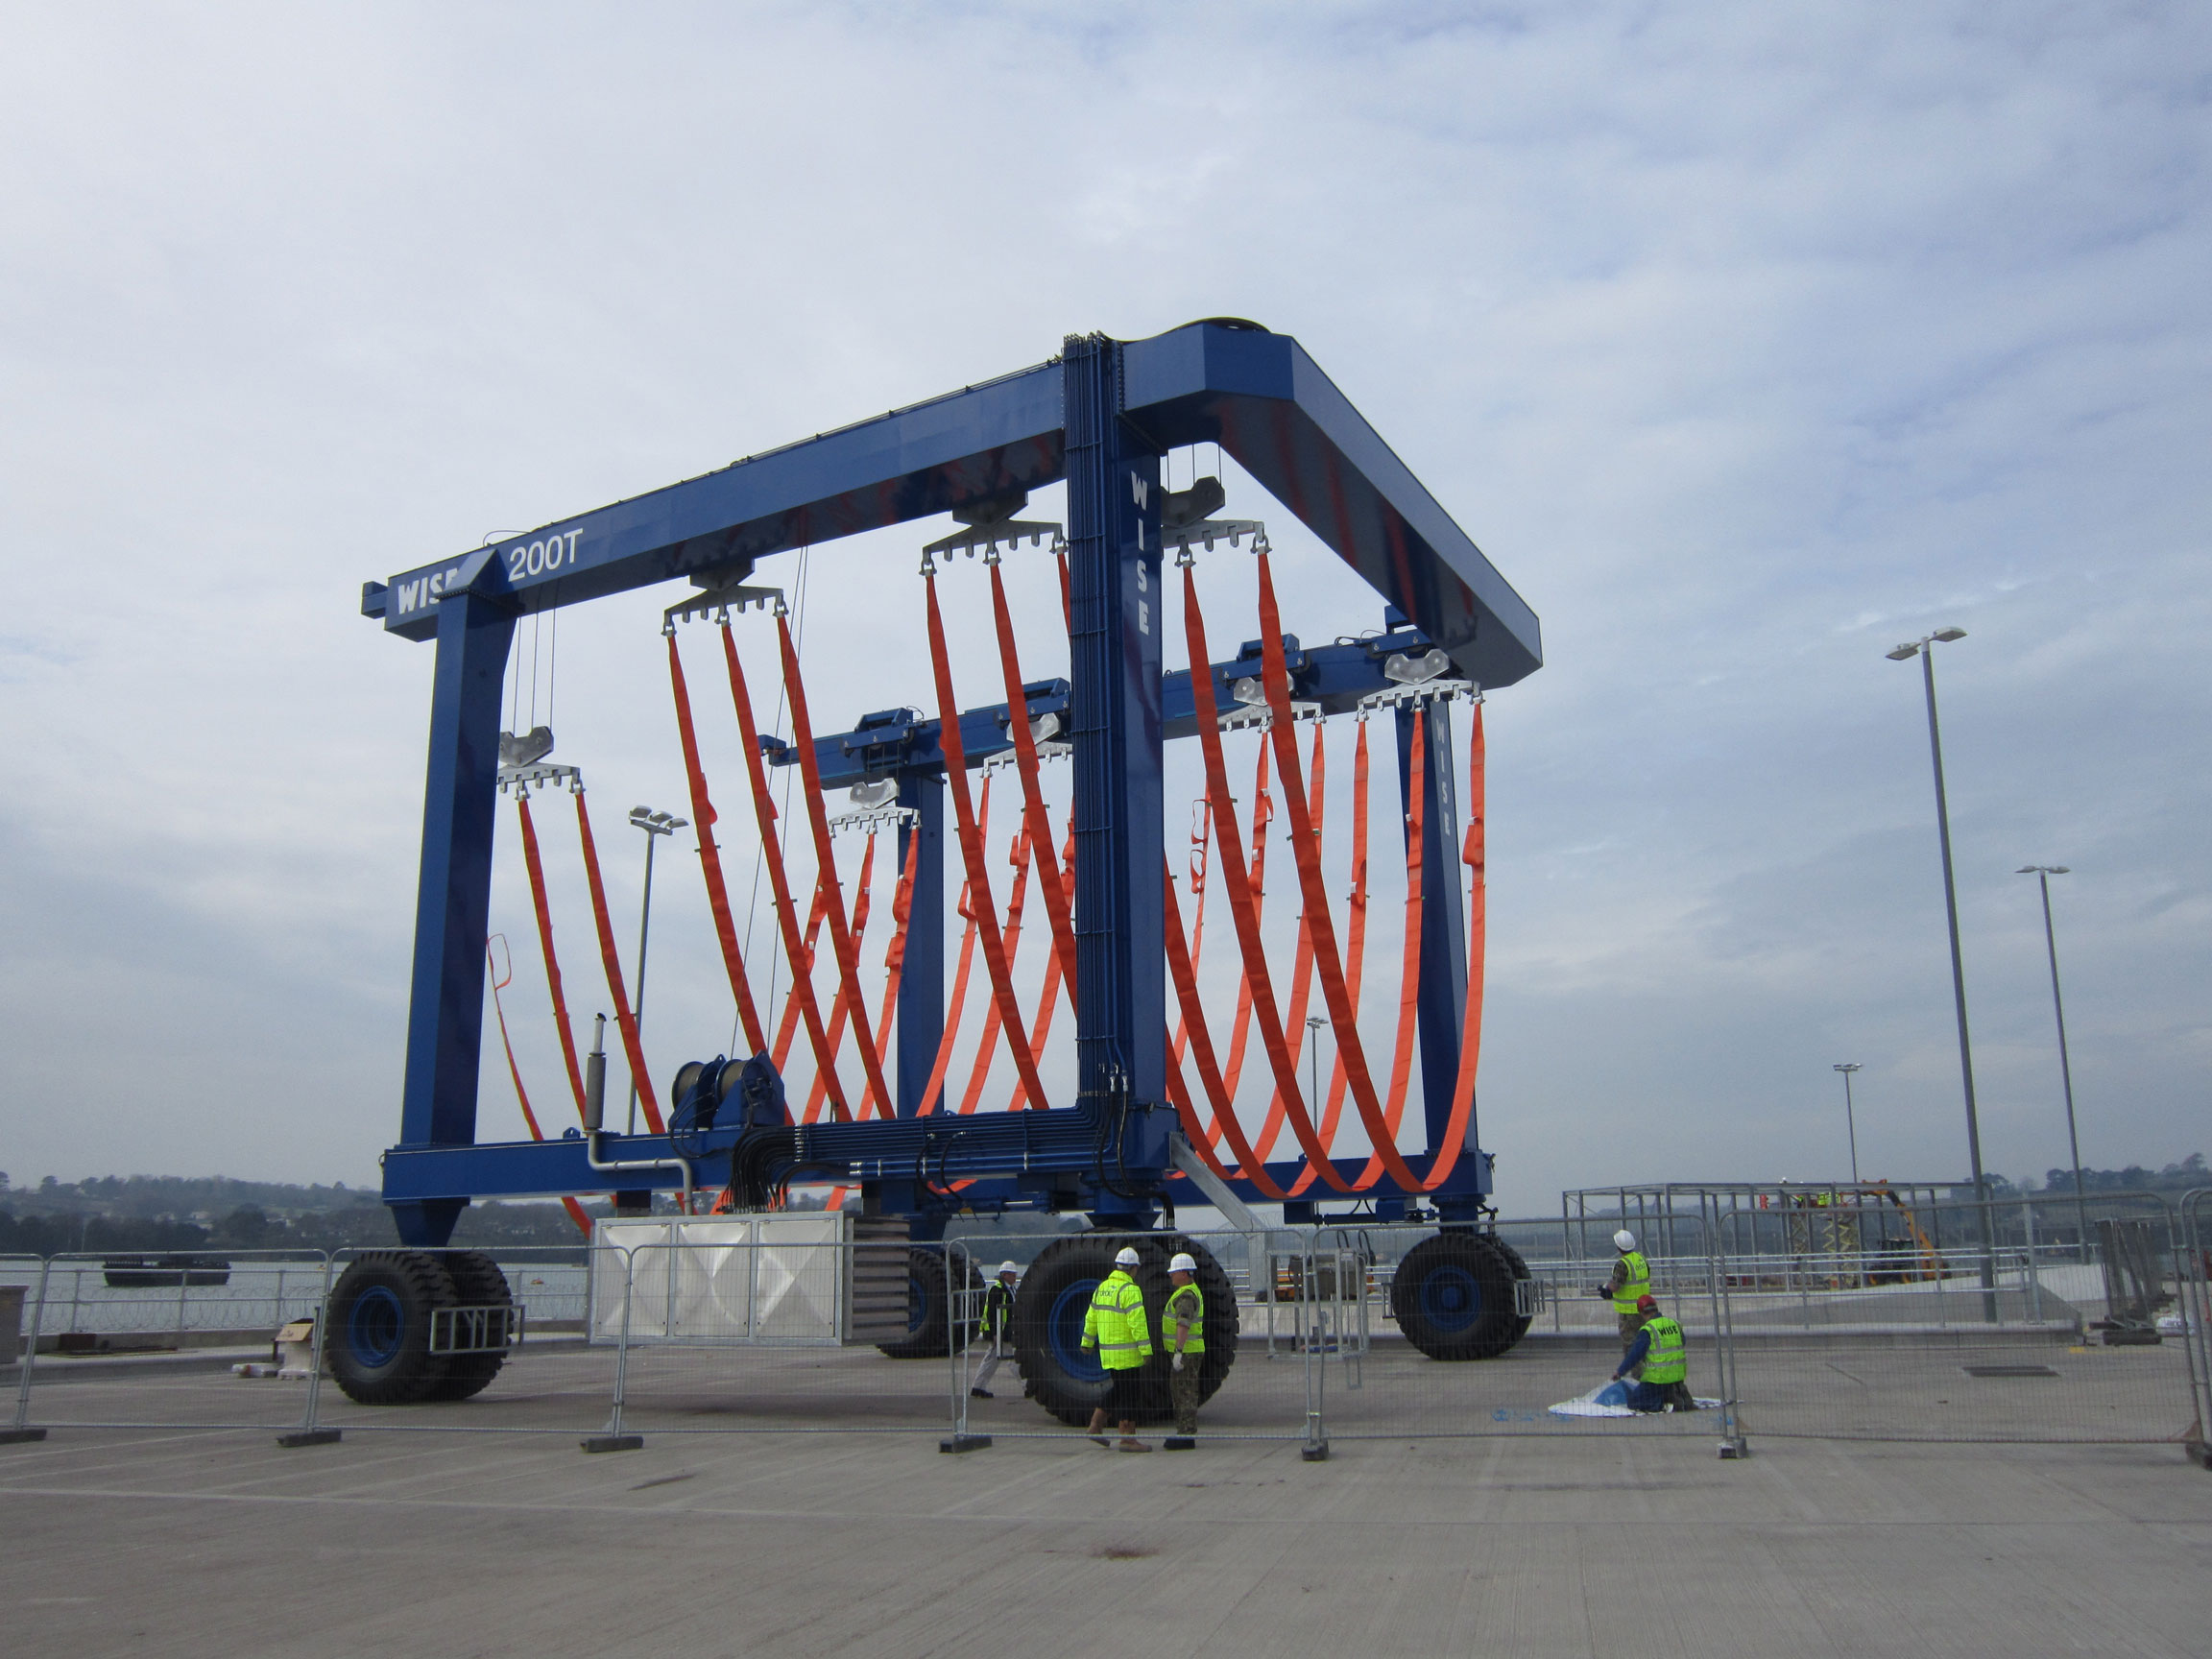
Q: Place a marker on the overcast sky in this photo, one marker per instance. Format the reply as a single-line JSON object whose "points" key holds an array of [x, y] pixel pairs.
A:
{"points": [[1747, 340]]}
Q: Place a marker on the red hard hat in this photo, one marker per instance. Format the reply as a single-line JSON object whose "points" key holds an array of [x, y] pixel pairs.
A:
{"points": [[1646, 1303]]}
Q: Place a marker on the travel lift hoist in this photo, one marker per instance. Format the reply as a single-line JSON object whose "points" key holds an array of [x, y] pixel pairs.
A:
{"points": [[1100, 416]]}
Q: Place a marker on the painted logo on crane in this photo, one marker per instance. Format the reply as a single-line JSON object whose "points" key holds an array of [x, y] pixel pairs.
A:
{"points": [[540, 558], [525, 560], [423, 590]]}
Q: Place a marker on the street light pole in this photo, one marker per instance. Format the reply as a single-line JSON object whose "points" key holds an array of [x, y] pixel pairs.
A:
{"points": [[1850, 1127], [655, 825], [1924, 648], [2043, 874]]}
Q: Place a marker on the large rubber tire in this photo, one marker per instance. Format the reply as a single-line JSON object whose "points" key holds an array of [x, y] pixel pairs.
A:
{"points": [[1452, 1296], [1520, 1269], [377, 1327], [932, 1331], [1055, 1295], [477, 1283]]}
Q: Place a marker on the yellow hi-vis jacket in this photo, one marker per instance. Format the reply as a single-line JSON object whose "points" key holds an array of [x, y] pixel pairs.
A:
{"points": [[1114, 1324], [1635, 1283], [1185, 1305], [1667, 1360]]}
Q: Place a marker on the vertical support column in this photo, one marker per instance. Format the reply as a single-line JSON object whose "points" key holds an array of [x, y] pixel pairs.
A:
{"points": [[453, 899], [1443, 1003], [921, 981], [1114, 566]]}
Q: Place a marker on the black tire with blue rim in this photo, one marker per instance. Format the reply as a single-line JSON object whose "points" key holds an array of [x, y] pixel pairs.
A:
{"points": [[930, 1324], [376, 1331], [1452, 1296], [1068, 1382]]}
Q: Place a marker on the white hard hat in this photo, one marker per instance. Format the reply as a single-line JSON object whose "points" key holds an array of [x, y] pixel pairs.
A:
{"points": [[1182, 1262], [1624, 1240], [1006, 1267], [1125, 1256]]}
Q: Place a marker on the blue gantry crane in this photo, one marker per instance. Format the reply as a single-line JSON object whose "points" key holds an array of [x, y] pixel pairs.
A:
{"points": [[1100, 416]]}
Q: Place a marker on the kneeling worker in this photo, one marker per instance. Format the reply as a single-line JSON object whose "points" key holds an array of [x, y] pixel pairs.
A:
{"points": [[1183, 1334], [1114, 1324], [1659, 1358]]}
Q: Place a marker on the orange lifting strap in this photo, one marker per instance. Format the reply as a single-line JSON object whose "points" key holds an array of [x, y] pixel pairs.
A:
{"points": [[971, 852], [837, 1021], [1217, 1097], [1262, 815], [624, 1019], [703, 816], [1342, 1016], [1409, 963], [500, 983], [1240, 897], [553, 982], [895, 953], [798, 954], [1302, 969], [1201, 832], [1477, 928], [841, 941], [1356, 945], [1017, 900], [959, 998], [1039, 826], [789, 1027], [1049, 999]]}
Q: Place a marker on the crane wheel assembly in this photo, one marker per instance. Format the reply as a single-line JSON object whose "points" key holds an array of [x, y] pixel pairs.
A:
{"points": [[933, 1327], [1454, 1296], [1068, 1380], [381, 1318]]}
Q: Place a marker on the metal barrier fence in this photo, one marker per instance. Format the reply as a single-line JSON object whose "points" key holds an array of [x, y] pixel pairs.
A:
{"points": [[2015, 1340], [1554, 1375], [2195, 1315], [727, 1330], [1282, 1307]]}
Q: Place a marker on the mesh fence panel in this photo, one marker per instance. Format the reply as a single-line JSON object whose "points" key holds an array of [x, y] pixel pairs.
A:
{"points": [[1989, 1324], [122, 1355], [1506, 1331]]}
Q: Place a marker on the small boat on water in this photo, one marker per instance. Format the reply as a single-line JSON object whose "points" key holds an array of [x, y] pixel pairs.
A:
{"points": [[160, 1272]]}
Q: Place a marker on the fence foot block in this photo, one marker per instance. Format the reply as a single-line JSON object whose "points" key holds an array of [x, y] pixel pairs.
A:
{"points": [[1178, 1443], [1318, 1453], [1736, 1448], [2200, 1453], [614, 1443], [17, 1436], [310, 1437], [964, 1443]]}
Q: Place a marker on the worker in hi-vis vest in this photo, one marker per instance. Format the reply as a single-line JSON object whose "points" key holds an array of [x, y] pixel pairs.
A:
{"points": [[1630, 1284], [995, 1328], [1183, 1334], [1658, 1362], [1115, 1325]]}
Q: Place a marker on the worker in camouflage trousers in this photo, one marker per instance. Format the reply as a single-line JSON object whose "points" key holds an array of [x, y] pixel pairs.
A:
{"points": [[995, 1328], [1630, 1284], [1183, 1334]]}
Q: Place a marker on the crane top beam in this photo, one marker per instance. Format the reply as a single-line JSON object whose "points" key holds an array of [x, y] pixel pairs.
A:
{"points": [[1255, 394]]}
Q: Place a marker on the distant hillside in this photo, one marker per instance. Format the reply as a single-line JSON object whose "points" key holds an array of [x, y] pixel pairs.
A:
{"points": [[138, 1213], [178, 1197]]}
